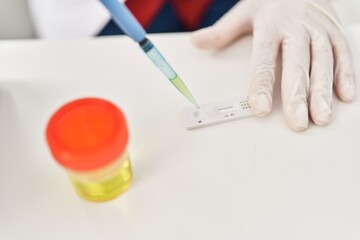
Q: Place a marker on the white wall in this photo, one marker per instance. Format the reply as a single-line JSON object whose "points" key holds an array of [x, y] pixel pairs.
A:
{"points": [[15, 21]]}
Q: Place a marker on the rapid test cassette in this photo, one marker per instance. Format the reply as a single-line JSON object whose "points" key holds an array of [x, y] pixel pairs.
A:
{"points": [[215, 113]]}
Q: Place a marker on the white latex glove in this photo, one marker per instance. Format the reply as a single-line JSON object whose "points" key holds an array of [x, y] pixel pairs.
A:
{"points": [[315, 55]]}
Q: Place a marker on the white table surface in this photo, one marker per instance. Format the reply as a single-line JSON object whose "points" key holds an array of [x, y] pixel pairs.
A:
{"points": [[253, 179]]}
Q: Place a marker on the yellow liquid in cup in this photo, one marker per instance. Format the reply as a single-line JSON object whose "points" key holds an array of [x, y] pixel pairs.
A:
{"points": [[100, 191]]}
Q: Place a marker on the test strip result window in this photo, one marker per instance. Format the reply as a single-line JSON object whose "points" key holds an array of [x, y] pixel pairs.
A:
{"points": [[216, 113]]}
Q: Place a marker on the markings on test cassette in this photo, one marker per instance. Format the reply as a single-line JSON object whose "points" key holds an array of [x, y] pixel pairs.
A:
{"points": [[211, 114]]}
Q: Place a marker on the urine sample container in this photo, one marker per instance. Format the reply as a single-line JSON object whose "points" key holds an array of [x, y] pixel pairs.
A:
{"points": [[89, 138]]}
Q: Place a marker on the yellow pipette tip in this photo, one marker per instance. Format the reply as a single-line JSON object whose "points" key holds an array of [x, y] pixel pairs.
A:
{"points": [[180, 85], [196, 104]]}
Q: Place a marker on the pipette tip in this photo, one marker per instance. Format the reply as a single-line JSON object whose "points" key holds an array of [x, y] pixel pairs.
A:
{"points": [[196, 105]]}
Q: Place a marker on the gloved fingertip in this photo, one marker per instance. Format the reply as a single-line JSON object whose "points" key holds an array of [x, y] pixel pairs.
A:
{"points": [[209, 38], [261, 104], [203, 38], [322, 119], [346, 89], [321, 114], [298, 118]]}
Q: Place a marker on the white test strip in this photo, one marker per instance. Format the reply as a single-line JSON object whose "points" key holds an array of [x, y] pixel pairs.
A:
{"points": [[211, 114]]}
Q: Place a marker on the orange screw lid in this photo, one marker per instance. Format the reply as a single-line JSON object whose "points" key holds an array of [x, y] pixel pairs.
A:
{"points": [[87, 134]]}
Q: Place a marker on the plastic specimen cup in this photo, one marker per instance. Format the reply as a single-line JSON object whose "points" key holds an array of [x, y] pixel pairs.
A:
{"points": [[89, 138]]}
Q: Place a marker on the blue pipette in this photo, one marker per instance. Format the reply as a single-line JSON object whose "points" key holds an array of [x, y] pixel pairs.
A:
{"points": [[131, 27]]}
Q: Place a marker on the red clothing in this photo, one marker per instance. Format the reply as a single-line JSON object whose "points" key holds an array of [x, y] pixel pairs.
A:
{"points": [[189, 12]]}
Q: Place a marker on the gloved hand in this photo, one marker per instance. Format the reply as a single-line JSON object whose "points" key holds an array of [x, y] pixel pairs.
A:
{"points": [[315, 55]]}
